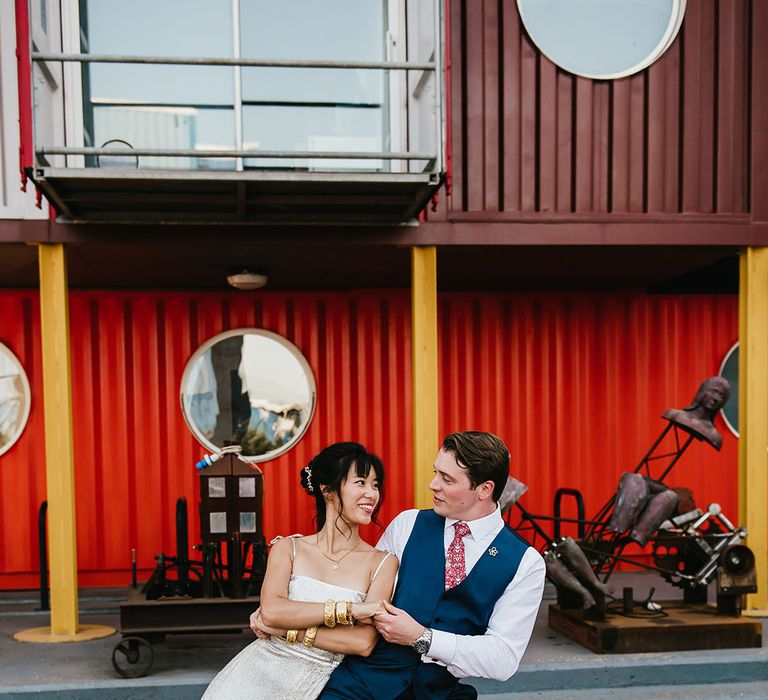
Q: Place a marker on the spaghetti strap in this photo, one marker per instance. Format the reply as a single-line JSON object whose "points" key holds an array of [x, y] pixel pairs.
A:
{"points": [[292, 538], [381, 563]]}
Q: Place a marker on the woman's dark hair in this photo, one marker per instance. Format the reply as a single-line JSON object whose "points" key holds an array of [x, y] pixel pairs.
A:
{"points": [[330, 468]]}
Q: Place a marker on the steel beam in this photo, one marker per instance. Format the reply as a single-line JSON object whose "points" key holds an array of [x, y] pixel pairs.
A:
{"points": [[425, 385], [753, 414]]}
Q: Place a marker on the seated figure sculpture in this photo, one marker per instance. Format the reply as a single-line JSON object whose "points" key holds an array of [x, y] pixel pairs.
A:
{"points": [[569, 568], [642, 504], [698, 418], [645, 503]]}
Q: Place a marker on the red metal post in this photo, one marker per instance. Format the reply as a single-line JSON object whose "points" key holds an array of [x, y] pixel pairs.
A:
{"points": [[24, 67], [447, 101]]}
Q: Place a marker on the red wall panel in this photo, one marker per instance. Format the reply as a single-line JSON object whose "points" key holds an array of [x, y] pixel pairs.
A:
{"points": [[573, 383], [133, 453], [576, 385]]}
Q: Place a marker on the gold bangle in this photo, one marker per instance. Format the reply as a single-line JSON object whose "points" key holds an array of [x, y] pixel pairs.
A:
{"points": [[341, 612], [309, 637], [350, 619], [329, 613], [291, 636]]}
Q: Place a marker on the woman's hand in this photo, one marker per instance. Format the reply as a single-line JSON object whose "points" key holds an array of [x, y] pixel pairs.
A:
{"points": [[261, 630], [364, 612]]}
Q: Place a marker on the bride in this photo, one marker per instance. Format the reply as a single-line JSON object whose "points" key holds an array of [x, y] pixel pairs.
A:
{"points": [[315, 587]]}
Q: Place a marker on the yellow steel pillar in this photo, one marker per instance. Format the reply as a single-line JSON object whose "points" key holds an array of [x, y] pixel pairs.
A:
{"points": [[424, 341], [59, 457], [753, 414]]}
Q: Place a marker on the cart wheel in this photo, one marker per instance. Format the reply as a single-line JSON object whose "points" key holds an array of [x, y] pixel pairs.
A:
{"points": [[133, 657]]}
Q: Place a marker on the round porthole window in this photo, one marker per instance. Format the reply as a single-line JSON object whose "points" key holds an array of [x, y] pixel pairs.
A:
{"points": [[248, 387], [602, 39], [15, 399], [730, 370]]}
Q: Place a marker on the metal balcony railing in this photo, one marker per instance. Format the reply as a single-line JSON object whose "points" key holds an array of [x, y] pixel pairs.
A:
{"points": [[389, 186]]}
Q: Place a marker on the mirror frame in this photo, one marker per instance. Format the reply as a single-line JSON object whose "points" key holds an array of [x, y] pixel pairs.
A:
{"points": [[288, 345], [670, 34], [27, 399]]}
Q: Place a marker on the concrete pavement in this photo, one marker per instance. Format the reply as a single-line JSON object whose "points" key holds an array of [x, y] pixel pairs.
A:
{"points": [[553, 666]]}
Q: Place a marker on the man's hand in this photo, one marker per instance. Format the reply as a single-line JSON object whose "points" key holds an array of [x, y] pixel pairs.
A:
{"points": [[397, 626]]}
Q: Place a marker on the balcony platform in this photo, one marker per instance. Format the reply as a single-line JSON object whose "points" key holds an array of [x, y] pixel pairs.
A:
{"points": [[100, 195]]}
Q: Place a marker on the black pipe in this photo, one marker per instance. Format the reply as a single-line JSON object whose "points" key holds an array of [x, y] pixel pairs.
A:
{"points": [[42, 541], [579, 506], [182, 541]]}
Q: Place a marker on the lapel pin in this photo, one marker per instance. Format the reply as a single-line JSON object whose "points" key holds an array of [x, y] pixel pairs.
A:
{"points": [[493, 551]]}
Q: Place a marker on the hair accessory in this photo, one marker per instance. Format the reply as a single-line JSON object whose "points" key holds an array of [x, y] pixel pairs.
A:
{"points": [[308, 470]]}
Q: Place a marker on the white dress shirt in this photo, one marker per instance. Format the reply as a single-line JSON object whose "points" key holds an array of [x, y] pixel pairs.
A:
{"points": [[497, 653]]}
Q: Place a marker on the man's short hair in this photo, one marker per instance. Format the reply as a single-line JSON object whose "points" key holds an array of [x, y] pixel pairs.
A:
{"points": [[483, 455]]}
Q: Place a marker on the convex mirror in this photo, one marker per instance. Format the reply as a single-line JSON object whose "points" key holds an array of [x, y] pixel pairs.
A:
{"points": [[248, 387], [15, 399]]}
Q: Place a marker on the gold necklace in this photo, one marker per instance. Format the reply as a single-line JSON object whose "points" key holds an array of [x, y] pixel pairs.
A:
{"points": [[335, 562]]}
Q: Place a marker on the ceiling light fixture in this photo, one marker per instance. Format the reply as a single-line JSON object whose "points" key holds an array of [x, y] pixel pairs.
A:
{"points": [[247, 280]]}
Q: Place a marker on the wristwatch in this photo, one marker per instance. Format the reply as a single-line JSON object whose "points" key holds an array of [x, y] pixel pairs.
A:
{"points": [[421, 644]]}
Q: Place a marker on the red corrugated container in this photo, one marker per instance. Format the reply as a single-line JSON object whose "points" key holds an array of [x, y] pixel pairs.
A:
{"points": [[574, 383]]}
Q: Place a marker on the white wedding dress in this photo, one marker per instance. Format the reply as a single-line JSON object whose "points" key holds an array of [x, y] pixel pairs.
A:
{"points": [[274, 670]]}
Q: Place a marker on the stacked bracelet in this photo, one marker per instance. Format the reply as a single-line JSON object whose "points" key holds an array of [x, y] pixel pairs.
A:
{"points": [[291, 636], [309, 637], [344, 612], [329, 613]]}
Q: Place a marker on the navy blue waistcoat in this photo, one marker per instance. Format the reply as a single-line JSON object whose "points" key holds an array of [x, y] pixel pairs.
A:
{"points": [[463, 609]]}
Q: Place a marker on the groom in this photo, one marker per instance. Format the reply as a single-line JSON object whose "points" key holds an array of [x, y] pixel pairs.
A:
{"points": [[468, 588]]}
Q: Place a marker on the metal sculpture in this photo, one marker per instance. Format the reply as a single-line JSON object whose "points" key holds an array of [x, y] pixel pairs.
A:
{"points": [[213, 593], [688, 547]]}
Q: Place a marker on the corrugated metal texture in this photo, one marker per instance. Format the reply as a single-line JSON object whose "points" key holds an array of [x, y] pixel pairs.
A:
{"points": [[573, 383], [22, 468], [576, 384], [529, 137], [133, 453]]}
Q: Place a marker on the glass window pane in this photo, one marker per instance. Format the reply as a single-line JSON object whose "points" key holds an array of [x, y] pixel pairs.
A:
{"points": [[247, 487], [161, 84], [313, 129], [328, 30], [291, 109], [159, 106], [217, 487], [601, 38], [247, 522], [167, 127], [218, 523], [152, 28], [317, 85]]}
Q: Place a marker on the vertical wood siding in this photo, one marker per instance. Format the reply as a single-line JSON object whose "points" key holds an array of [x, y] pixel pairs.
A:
{"points": [[527, 136], [573, 383]]}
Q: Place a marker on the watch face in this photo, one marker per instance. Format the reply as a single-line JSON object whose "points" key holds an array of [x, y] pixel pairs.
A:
{"points": [[421, 646]]}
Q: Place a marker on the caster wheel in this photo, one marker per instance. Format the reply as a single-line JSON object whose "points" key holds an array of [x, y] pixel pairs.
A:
{"points": [[133, 657]]}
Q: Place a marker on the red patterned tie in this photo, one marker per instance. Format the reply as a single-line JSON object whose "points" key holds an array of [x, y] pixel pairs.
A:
{"points": [[455, 567]]}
